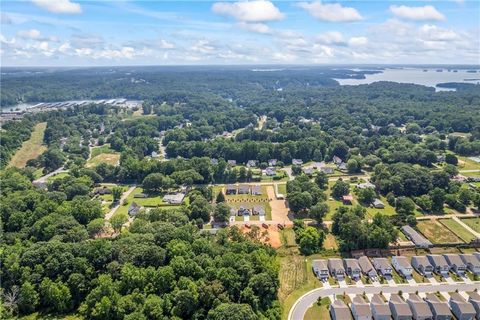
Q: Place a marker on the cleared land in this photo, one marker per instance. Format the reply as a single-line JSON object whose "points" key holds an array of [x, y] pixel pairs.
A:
{"points": [[458, 229], [108, 158], [473, 223], [31, 148], [436, 232], [464, 163]]}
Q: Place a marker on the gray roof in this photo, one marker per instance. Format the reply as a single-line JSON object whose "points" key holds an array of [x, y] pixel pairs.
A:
{"points": [[244, 187], [381, 307], [403, 261], [382, 263], [421, 261], [351, 263], [256, 189], [463, 305], [419, 307], [401, 307], [438, 307], [454, 259], [174, 198], [470, 259], [231, 187], [336, 263], [474, 297], [365, 264], [362, 309], [416, 237], [342, 312], [437, 260], [320, 264]]}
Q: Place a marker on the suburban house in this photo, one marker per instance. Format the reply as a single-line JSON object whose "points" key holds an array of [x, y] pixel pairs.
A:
{"points": [[327, 170], [415, 237], [378, 204], [472, 263], [242, 211], [422, 265], [251, 163], [103, 191], [456, 263], [230, 189], [337, 160], [402, 265], [461, 309], [440, 309], [270, 171], [400, 309], [133, 209], [140, 195], [258, 210], [243, 189], [360, 309], [308, 171], [342, 167], [340, 311], [320, 269], [297, 162], [272, 162], [366, 185], [174, 198], [232, 163], [352, 268], [367, 267], [474, 299], [382, 265], [477, 255], [257, 190], [380, 309], [420, 309], [440, 265], [347, 200], [335, 266]]}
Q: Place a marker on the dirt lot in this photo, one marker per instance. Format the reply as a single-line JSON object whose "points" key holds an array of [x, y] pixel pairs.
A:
{"points": [[279, 209], [272, 237]]}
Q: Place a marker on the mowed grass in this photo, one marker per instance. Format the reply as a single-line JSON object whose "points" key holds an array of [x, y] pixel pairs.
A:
{"points": [[436, 232], [464, 163], [101, 149], [31, 148], [149, 202], [282, 188], [473, 223], [108, 158], [458, 229], [319, 310]]}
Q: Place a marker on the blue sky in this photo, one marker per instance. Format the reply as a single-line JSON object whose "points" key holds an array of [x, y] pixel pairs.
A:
{"points": [[97, 33]]}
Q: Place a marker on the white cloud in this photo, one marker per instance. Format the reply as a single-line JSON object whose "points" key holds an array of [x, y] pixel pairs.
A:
{"points": [[431, 32], [357, 41], [417, 13], [29, 34], [331, 37], [59, 6], [203, 46], [87, 40], [332, 12], [249, 11], [65, 47], [164, 44], [254, 27]]}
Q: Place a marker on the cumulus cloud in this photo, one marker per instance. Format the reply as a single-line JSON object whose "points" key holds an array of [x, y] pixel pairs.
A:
{"points": [[357, 41], [331, 37], [59, 6], [331, 12], [29, 34], [417, 13], [164, 44], [254, 27], [249, 11], [433, 33]]}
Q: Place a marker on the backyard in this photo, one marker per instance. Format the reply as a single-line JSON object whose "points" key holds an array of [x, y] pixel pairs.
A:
{"points": [[103, 154], [473, 223], [458, 229], [436, 232]]}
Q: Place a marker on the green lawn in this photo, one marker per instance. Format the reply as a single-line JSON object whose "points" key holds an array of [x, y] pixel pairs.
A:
{"points": [[282, 188], [319, 310], [473, 223], [458, 229], [61, 175], [436, 232], [465, 163], [152, 201], [101, 149], [388, 210], [108, 158]]}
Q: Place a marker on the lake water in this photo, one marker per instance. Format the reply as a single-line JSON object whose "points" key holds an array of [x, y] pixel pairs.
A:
{"points": [[428, 78]]}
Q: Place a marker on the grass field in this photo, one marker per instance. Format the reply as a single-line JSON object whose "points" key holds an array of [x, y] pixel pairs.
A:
{"points": [[101, 149], [319, 310], [61, 175], [388, 210], [31, 148], [458, 229], [330, 242], [436, 232], [287, 236], [464, 163], [109, 158], [151, 201], [282, 188], [473, 223]]}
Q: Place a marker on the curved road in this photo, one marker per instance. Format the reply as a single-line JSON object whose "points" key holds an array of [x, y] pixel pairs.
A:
{"points": [[298, 310]]}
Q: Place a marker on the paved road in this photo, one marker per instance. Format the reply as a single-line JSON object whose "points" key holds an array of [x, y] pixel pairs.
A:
{"points": [[51, 174], [307, 300]]}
